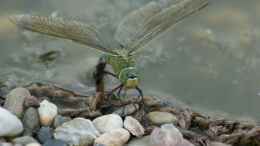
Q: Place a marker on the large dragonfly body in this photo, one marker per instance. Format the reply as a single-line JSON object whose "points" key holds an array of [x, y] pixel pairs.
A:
{"points": [[133, 33], [124, 67]]}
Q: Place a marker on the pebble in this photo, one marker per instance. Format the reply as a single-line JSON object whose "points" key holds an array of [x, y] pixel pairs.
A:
{"points": [[167, 135], [108, 123], [33, 144], [146, 141], [24, 140], [78, 131], [218, 144], [143, 141], [126, 110], [31, 121], [152, 101], [15, 101], [6, 144], [55, 142], [134, 126], [59, 120], [160, 118], [45, 134], [31, 101], [2, 140], [117, 137], [186, 143], [47, 112], [10, 125]]}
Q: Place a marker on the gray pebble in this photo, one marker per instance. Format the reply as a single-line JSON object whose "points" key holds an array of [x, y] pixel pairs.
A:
{"points": [[6, 144], [78, 131], [59, 120], [55, 142], [218, 144], [45, 134], [160, 118], [15, 101], [2, 140], [143, 141], [31, 121], [24, 140]]}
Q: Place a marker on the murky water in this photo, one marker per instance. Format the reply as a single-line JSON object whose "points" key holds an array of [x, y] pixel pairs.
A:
{"points": [[210, 61]]}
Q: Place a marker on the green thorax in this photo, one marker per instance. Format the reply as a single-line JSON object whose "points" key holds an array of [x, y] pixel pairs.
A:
{"points": [[120, 61]]}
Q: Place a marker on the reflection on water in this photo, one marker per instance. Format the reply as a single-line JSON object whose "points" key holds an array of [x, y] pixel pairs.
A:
{"points": [[210, 61]]}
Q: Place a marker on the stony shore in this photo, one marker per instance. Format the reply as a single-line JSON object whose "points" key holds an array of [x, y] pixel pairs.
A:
{"points": [[57, 119]]}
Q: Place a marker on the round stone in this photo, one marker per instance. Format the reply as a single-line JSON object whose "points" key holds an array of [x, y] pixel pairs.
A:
{"points": [[55, 142], [10, 125], [108, 123], [33, 144], [59, 120], [160, 118], [117, 137], [167, 135], [133, 126], [15, 101], [47, 112], [143, 141], [45, 134], [24, 140], [78, 131], [31, 121]]}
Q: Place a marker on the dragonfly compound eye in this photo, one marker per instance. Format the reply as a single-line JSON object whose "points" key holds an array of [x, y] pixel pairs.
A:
{"points": [[127, 74], [132, 76]]}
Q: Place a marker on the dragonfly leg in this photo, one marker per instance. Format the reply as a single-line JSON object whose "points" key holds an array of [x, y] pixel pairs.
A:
{"points": [[143, 107], [99, 74], [99, 80], [119, 91], [141, 95], [110, 73], [119, 87]]}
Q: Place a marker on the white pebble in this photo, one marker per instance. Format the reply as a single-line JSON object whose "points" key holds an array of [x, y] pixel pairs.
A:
{"points": [[108, 123], [167, 135], [117, 137], [47, 112], [134, 126], [10, 125], [78, 131], [33, 144]]}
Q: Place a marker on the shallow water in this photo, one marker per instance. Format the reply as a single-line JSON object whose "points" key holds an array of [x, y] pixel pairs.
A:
{"points": [[210, 61]]}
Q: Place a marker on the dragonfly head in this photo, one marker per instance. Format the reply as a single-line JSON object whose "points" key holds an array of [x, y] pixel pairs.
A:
{"points": [[129, 77], [123, 53]]}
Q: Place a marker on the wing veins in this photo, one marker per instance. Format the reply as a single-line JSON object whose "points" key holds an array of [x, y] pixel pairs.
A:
{"points": [[151, 27], [58, 27]]}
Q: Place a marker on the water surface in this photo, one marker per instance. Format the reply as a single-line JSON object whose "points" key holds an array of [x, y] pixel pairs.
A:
{"points": [[210, 61]]}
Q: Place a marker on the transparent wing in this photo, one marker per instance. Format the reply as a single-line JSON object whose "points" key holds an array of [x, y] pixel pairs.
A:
{"points": [[145, 23], [66, 29]]}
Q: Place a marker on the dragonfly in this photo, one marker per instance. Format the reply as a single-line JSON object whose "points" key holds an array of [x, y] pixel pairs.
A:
{"points": [[131, 35]]}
